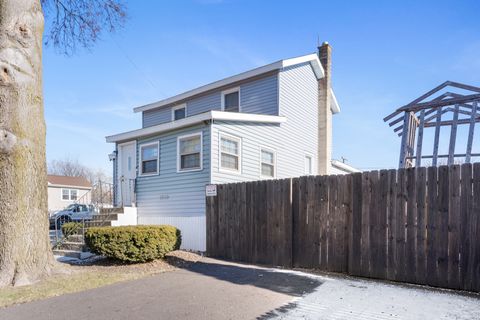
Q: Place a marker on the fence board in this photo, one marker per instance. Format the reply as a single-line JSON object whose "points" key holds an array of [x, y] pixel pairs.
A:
{"points": [[400, 221], [320, 190], [382, 225], [475, 230], [410, 241], [365, 236], [310, 243], [432, 210], [466, 203], [287, 222], [323, 227], [421, 252], [442, 226], [296, 223], [392, 225], [373, 225], [348, 198], [417, 225], [354, 254], [331, 221], [453, 232]]}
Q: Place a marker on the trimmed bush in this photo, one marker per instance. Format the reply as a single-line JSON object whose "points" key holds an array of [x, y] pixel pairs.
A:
{"points": [[133, 243], [71, 228]]}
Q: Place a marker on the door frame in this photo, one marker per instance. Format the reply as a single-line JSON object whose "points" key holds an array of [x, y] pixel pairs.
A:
{"points": [[119, 165]]}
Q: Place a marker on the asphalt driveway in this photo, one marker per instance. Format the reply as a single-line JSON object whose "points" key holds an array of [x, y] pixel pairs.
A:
{"points": [[213, 289]]}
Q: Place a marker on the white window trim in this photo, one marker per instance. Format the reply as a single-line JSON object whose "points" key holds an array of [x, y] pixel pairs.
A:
{"points": [[140, 173], [180, 106], [307, 154], [179, 138], [274, 162], [225, 92], [230, 137], [69, 194]]}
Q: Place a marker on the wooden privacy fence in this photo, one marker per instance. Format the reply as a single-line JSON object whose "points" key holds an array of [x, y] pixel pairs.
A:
{"points": [[418, 225]]}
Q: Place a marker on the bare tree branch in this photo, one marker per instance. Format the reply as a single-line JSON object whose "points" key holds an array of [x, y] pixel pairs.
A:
{"points": [[72, 168], [76, 23]]}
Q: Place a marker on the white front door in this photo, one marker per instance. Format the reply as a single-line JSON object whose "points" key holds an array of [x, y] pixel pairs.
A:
{"points": [[127, 172]]}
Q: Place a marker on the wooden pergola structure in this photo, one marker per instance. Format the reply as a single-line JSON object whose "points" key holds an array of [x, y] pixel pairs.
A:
{"points": [[411, 120]]}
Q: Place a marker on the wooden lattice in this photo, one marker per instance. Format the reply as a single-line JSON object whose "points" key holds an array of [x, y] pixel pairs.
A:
{"points": [[411, 120]]}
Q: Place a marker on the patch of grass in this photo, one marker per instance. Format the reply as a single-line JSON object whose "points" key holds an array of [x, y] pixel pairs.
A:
{"points": [[63, 284]]}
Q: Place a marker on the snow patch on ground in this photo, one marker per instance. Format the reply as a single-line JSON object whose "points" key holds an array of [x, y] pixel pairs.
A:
{"points": [[347, 298]]}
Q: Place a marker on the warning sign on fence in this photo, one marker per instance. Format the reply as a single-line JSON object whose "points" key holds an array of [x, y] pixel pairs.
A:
{"points": [[211, 190]]}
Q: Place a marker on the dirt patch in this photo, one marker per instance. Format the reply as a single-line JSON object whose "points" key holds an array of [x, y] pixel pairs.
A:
{"points": [[172, 261]]}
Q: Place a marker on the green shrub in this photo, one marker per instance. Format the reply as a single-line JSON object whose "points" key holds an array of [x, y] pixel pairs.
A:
{"points": [[133, 243], [71, 228]]}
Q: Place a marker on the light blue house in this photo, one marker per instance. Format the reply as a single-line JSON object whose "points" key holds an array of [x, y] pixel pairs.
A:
{"points": [[271, 122]]}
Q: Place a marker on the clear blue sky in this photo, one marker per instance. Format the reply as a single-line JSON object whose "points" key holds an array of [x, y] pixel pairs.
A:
{"points": [[385, 54]]}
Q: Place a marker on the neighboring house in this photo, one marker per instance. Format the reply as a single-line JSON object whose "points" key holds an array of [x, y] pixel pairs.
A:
{"points": [[63, 191], [271, 122]]}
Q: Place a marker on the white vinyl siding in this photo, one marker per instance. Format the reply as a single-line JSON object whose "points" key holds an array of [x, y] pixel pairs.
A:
{"points": [[230, 153], [291, 140], [171, 193], [189, 148], [259, 96]]}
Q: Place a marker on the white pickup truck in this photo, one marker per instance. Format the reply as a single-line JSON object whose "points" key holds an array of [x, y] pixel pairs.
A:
{"points": [[73, 213]]}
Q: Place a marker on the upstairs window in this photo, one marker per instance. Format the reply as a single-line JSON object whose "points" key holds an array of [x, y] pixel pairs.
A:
{"points": [[308, 165], [189, 152], [267, 159], [179, 112], [231, 100], [69, 194], [230, 153], [149, 159]]}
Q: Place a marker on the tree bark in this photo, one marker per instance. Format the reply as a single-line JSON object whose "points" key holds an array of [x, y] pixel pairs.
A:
{"points": [[25, 252]]}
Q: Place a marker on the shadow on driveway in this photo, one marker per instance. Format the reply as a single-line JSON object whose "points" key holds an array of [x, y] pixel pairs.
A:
{"points": [[282, 282]]}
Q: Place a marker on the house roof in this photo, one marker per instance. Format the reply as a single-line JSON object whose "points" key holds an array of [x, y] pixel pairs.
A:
{"points": [[64, 181], [311, 58], [188, 121]]}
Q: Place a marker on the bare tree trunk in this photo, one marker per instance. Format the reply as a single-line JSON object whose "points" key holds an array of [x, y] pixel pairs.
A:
{"points": [[25, 253]]}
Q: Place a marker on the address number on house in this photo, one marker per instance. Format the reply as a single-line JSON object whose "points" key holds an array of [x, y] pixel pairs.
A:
{"points": [[211, 190]]}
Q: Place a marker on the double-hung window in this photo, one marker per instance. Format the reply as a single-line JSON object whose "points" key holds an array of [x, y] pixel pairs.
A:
{"points": [[308, 165], [149, 159], [230, 149], [267, 160], [69, 194], [189, 152], [231, 100], [179, 112]]}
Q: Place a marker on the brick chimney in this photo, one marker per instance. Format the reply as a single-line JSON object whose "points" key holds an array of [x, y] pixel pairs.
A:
{"points": [[325, 111]]}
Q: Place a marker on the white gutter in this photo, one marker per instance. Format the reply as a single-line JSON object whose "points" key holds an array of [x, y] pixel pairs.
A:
{"points": [[312, 58], [188, 121], [344, 167], [68, 186], [335, 107]]}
